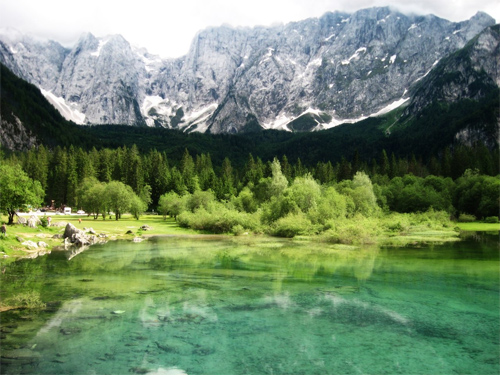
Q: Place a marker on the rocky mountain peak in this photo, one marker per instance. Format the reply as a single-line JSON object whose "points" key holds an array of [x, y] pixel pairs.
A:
{"points": [[314, 73]]}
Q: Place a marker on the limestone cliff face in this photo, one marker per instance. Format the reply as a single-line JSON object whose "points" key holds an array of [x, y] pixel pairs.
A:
{"points": [[338, 67], [14, 135], [467, 73]]}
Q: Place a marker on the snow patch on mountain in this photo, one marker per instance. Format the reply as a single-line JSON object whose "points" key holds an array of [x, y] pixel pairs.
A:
{"points": [[69, 111], [102, 43], [197, 121], [382, 111]]}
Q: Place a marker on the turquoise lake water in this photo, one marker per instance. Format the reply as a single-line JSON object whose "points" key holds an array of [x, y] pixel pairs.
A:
{"points": [[231, 305]]}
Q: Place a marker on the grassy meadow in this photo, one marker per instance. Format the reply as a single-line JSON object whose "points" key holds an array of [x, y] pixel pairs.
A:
{"points": [[113, 229]]}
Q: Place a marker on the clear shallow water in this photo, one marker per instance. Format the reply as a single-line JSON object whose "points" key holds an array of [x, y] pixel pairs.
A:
{"points": [[213, 305]]}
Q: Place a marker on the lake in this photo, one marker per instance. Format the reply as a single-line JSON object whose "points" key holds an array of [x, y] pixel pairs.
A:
{"points": [[250, 305]]}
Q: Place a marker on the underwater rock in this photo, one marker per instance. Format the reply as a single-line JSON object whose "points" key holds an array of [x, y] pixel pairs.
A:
{"points": [[202, 350], [342, 289], [170, 347], [117, 312], [69, 331], [139, 370], [138, 239], [102, 298], [21, 354]]}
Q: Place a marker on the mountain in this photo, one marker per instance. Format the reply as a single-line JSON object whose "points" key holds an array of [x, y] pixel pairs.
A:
{"points": [[302, 76], [456, 103], [28, 119]]}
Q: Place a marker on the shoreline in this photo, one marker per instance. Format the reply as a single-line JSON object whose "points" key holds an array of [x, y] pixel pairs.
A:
{"points": [[128, 229]]}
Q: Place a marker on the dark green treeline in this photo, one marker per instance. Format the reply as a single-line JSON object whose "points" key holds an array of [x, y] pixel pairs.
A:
{"points": [[62, 170]]}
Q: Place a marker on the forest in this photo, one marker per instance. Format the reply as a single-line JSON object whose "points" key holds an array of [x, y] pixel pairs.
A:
{"points": [[277, 196]]}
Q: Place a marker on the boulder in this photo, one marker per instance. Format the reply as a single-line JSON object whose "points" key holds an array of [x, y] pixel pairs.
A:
{"points": [[30, 244], [21, 220], [146, 227], [33, 221], [70, 230], [42, 244], [78, 237]]}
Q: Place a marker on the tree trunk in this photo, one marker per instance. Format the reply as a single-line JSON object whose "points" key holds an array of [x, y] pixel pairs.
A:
{"points": [[11, 216]]}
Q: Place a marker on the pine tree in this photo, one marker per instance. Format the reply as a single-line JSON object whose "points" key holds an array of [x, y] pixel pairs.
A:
{"points": [[72, 178], [187, 169], [286, 168], [384, 164]]}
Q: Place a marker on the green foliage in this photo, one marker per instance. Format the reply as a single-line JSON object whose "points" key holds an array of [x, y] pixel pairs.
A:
{"points": [[477, 194], [360, 190], [200, 199], [466, 218], [28, 300], [332, 205], [491, 219], [293, 224], [44, 221], [17, 190], [415, 194], [137, 206], [245, 201], [305, 193], [92, 197], [359, 230], [219, 220], [172, 204], [278, 182]]}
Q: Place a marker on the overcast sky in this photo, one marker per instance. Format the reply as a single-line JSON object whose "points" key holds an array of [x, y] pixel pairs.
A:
{"points": [[167, 27]]}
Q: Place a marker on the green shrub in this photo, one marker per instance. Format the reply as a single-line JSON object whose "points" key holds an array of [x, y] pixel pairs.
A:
{"points": [[28, 300], [292, 225], [396, 223], [466, 218], [359, 230], [491, 219], [238, 230], [44, 221], [221, 220]]}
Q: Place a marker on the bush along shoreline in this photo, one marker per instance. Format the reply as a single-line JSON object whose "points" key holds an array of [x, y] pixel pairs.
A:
{"points": [[348, 213]]}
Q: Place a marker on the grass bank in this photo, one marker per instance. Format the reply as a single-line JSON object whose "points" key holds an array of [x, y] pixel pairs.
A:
{"points": [[395, 230], [479, 227], [11, 246]]}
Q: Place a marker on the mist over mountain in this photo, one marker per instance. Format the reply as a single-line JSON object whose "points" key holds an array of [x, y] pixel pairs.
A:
{"points": [[302, 76]]}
